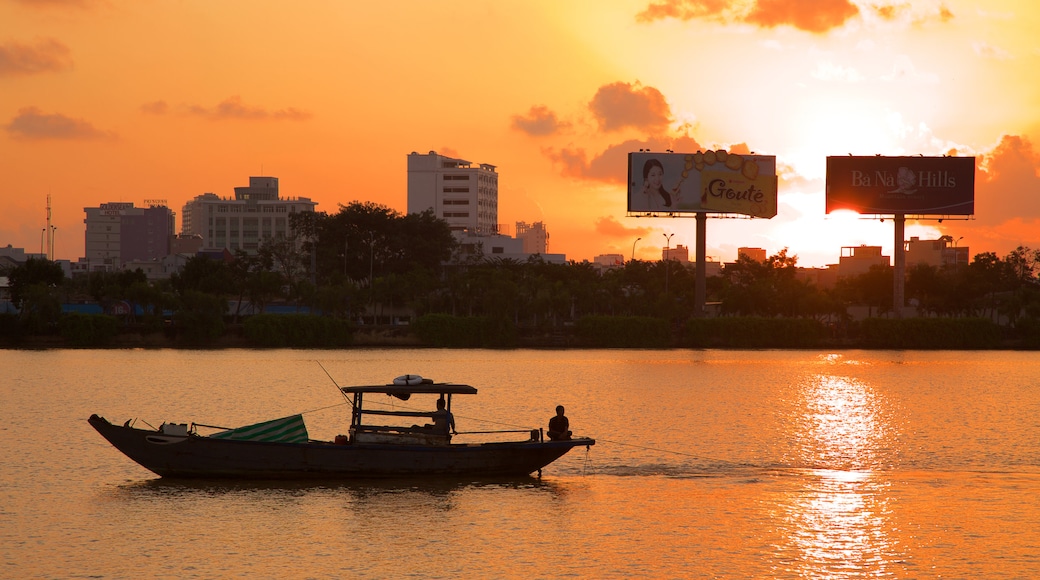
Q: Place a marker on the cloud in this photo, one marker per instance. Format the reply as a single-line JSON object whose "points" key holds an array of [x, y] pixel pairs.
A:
{"points": [[911, 13], [815, 16], [611, 166], [685, 10], [809, 15], [1007, 184], [572, 162], [32, 124], [155, 108], [56, 3], [903, 69], [539, 121], [610, 227], [986, 50], [620, 105], [45, 55], [828, 71], [233, 108]]}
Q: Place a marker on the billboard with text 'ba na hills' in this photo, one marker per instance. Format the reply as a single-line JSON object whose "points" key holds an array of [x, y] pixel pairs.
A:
{"points": [[701, 182], [941, 186]]}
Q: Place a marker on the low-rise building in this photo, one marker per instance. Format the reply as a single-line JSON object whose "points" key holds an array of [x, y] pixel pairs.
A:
{"points": [[857, 260], [119, 232], [938, 253], [256, 213], [755, 254]]}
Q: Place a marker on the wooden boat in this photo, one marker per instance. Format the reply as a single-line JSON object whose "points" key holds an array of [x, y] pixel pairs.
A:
{"points": [[281, 448]]}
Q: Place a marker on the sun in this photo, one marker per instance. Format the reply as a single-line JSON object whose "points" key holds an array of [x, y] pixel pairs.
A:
{"points": [[823, 125]]}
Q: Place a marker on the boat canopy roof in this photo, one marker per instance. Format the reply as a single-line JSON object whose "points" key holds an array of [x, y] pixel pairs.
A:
{"points": [[422, 388]]}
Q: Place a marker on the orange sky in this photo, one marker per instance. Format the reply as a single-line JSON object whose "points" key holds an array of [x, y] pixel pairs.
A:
{"points": [[120, 100]]}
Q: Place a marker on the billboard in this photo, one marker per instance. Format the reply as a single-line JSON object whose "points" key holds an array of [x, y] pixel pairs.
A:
{"points": [[901, 185], [709, 182]]}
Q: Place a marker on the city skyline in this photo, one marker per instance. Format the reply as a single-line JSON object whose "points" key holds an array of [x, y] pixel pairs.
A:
{"points": [[109, 101]]}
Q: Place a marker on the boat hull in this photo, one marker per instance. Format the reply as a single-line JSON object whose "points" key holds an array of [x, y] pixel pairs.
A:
{"points": [[192, 456]]}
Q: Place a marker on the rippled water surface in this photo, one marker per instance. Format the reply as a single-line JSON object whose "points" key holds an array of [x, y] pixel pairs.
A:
{"points": [[715, 464]]}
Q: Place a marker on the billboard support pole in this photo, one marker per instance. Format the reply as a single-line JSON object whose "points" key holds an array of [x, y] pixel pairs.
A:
{"points": [[700, 289], [899, 275]]}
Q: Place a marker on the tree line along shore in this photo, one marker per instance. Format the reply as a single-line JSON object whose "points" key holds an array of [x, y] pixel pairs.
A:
{"points": [[447, 331], [369, 276]]}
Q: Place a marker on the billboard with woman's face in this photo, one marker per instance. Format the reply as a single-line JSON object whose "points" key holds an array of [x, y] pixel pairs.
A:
{"points": [[710, 182]]}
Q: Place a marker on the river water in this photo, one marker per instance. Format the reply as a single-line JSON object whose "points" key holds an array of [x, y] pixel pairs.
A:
{"points": [[709, 464]]}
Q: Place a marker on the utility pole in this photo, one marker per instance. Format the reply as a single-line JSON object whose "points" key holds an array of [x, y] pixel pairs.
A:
{"points": [[667, 257]]}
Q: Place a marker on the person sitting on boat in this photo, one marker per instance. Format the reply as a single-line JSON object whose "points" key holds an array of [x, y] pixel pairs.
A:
{"points": [[443, 420], [559, 426]]}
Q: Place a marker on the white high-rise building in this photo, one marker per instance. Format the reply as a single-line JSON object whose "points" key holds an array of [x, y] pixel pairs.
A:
{"points": [[256, 213], [463, 195]]}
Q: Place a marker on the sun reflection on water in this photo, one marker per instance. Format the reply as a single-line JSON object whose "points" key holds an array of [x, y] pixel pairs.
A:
{"points": [[839, 524]]}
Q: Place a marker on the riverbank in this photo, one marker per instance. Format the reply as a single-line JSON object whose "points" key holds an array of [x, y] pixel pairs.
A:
{"points": [[736, 333]]}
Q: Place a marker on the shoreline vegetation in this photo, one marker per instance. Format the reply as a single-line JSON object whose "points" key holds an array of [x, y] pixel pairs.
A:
{"points": [[446, 331], [370, 277]]}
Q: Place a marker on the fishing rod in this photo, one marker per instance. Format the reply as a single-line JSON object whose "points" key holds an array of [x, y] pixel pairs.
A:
{"points": [[338, 388]]}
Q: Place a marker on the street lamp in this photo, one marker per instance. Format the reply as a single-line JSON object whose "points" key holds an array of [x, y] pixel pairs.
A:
{"points": [[634, 248], [667, 247]]}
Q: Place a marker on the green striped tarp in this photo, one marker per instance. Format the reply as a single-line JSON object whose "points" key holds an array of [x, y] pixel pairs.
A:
{"points": [[287, 429]]}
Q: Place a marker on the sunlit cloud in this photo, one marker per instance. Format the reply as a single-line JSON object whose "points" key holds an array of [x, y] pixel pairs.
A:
{"points": [[917, 13], [539, 121], [610, 166], [685, 10], [43, 56], [622, 105], [571, 162], [945, 14], [903, 70], [989, 14], [828, 71], [808, 15], [889, 11], [31, 124], [987, 50], [609, 226], [233, 108], [1007, 183], [815, 16]]}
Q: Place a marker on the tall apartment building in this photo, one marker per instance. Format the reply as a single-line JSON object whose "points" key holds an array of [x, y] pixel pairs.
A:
{"points": [[118, 232], [256, 213], [464, 195]]}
